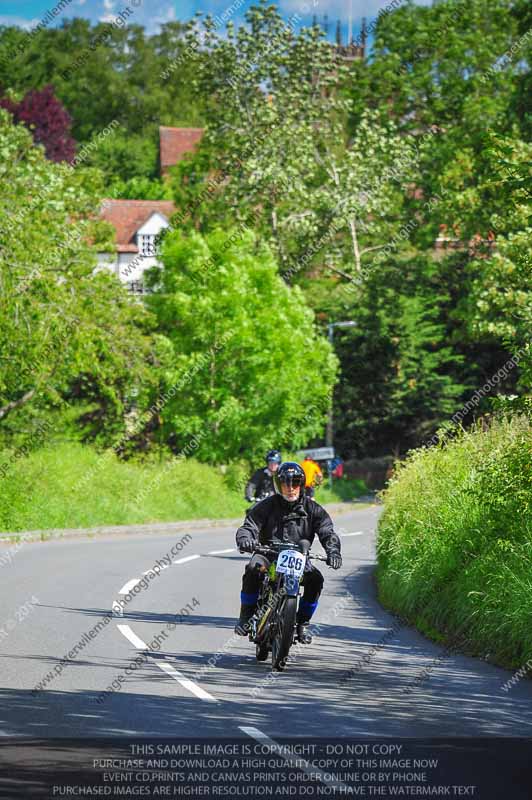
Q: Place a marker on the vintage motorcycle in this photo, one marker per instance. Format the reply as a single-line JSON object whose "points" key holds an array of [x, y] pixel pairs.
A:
{"points": [[272, 626]]}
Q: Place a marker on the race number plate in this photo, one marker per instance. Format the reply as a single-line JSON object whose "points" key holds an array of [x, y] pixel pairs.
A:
{"points": [[291, 563]]}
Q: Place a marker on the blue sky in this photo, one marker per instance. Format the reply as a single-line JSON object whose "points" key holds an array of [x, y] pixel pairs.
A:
{"points": [[151, 13]]}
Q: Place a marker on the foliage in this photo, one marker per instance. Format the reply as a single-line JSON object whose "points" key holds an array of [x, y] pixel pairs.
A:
{"points": [[276, 127], [49, 489], [454, 540], [139, 188], [400, 374], [105, 72], [499, 300], [44, 115], [431, 65], [125, 156], [250, 368], [349, 172], [60, 323]]}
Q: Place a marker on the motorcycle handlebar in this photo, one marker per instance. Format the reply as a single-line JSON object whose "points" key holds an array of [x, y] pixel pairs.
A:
{"points": [[274, 547]]}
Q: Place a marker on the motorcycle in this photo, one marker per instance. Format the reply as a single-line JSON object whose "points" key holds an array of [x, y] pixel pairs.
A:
{"points": [[272, 627]]}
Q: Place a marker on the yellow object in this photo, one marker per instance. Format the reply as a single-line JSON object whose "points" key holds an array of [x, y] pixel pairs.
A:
{"points": [[312, 471]]}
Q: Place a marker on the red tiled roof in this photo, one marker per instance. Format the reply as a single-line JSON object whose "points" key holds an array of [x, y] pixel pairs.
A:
{"points": [[127, 216], [175, 143]]}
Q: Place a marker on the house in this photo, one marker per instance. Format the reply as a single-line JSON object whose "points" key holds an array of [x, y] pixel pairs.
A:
{"points": [[138, 222]]}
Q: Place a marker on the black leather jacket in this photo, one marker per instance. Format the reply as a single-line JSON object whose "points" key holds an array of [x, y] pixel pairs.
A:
{"points": [[275, 518], [260, 485]]}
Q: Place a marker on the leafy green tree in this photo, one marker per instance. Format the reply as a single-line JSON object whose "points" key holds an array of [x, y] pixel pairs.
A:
{"points": [[59, 322], [124, 156], [249, 366], [523, 14], [499, 301], [276, 128], [139, 188], [401, 371], [105, 72], [431, 65]]}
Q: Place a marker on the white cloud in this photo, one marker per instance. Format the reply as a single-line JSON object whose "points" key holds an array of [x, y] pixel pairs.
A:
{"points": [[165, 13], [108, 15], [339, 9], [11, 19]]}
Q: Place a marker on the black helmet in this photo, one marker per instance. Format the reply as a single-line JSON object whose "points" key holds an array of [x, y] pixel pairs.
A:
{"points": [[273, 455], [291, 473]]}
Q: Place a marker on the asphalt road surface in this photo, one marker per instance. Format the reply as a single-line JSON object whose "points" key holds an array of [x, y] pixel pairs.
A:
{"points": [[198, 679]]}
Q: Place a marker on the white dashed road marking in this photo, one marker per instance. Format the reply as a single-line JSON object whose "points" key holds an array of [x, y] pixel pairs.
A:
{"points": [[153, 572], [129, 585], [183, 560], [293, 761], [219, 552], [355, 533], [185, 683], [192, 687]]}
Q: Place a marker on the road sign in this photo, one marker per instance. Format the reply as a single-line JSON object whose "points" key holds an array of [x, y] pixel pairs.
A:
{"points": [[319, 453]]}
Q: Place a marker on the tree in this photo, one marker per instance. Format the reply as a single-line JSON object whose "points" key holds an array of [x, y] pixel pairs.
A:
{"points": [[105, 72], [49, 122], [125, 156], [276, 128], [499, 301], [250, 369], [59, 321]]}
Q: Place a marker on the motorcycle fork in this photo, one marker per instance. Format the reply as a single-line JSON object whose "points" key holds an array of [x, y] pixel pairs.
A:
{"points": [[258, 623]]}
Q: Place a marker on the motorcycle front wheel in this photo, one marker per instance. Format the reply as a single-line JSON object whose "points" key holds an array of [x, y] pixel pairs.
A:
{"points": [[284, 632], [261, 651]]}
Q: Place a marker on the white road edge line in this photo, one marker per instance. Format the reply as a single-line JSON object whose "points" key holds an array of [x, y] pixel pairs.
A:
{"points": [[355, 533], [296, 762], [219, 552], [183, 560], [126, 631], [129, 585], [186, 683]]}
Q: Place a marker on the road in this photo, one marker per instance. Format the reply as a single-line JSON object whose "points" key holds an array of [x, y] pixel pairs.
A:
{"points": [[203, 681]]}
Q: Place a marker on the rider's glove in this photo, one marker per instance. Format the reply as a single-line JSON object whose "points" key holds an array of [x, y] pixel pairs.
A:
{"points": [[334, 560], [246, 545]]}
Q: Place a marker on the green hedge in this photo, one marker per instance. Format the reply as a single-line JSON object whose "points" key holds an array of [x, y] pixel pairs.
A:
{"points": [[70, 485], [74, 486], [455, 541]]}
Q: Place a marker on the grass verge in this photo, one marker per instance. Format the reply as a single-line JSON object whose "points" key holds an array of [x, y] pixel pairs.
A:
{"points": [[75, 486], [455, 541]]}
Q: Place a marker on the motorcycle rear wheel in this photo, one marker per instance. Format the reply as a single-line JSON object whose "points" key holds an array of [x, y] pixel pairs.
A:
{"points": [[284, 633]]}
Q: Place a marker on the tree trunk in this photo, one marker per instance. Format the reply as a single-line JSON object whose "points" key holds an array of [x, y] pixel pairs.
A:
{"points": [[354, 239], [16, 403]]}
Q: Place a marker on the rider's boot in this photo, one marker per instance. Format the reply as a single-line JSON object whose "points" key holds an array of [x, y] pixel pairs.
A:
{"points": [[242, 626], [304, 614], [303, 634]]}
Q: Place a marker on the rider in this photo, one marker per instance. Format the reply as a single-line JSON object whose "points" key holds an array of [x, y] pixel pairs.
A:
{"points": [[260, 485], [287, 516], [313, 475]]}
